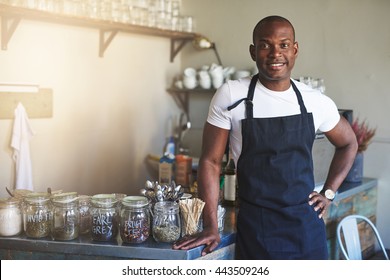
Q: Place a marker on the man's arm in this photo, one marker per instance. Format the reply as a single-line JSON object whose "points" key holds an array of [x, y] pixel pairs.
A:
{"points": [[213, 148], [344, 139]]}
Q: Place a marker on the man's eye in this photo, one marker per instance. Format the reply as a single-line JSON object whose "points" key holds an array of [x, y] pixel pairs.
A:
{"points": [[264, 46], [285, 46]]}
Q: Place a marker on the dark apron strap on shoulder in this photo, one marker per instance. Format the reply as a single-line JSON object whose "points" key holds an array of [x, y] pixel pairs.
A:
{"points": [[248, 99]]}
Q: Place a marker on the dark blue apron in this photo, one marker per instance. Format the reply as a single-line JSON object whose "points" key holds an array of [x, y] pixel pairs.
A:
{"points": [[275, 178]]}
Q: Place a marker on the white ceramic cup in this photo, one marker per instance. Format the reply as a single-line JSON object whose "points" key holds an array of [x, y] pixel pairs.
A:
{"points": [[189, 72], [190, 82]]}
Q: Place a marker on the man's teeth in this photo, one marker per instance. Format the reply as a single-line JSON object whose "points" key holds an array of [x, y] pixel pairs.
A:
{"points": [[276, 64]]}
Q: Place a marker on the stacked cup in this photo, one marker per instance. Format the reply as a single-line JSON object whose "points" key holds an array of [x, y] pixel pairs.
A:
{"points": [[189, 78]]}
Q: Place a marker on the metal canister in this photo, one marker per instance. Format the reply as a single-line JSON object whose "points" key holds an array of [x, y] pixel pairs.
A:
{"points": [[134, 225]]}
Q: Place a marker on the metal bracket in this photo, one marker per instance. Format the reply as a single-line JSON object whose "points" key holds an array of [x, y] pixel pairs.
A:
{"points": [[105, 42], [8, 31], [176, 49]]}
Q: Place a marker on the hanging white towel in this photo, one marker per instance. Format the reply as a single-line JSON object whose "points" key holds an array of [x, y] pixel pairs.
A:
{"points": [[21, 135]]}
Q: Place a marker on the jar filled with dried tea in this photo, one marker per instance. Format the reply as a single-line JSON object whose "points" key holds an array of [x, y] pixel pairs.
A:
{"points": [[37, 215], [134, 225], [166, 222], [11, 217], [104, 217], [65, 224], [85, 216]]}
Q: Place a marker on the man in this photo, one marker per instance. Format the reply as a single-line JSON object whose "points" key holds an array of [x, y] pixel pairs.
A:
{"points": [[271, 121]]}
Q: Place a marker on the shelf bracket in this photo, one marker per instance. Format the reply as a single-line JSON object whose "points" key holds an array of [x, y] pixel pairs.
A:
{"points": [[105, 42], [8, 31], [176, 46]]}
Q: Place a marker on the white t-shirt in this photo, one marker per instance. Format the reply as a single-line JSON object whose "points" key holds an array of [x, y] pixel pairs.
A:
{"points": [[266, 104]]}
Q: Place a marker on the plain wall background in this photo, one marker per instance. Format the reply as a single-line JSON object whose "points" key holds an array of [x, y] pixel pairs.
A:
{"points": [[345, 42], [110, 112]]}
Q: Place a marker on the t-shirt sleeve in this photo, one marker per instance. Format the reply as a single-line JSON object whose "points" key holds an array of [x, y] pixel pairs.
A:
{"points": [[329, 115], [218, 113]]}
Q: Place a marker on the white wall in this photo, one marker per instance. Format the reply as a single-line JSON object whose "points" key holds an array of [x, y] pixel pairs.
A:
{"points": [[345, 42], [108, 113]]}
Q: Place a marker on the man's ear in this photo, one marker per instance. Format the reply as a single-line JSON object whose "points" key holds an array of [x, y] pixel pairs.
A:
{"points": [[296, 48], [252, 51]]}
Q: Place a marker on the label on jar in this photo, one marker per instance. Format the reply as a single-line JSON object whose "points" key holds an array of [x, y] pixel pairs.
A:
{"points": [[135, 231], [104, 227]]}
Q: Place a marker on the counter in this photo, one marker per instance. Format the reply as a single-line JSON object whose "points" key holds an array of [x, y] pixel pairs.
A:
{"points": [[351, 199], [22, 247]]}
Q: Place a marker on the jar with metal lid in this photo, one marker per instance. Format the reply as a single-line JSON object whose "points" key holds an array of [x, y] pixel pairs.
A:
{"points": [[11, 217], [85, 215], [37, 215], [104, 217], [134, 224], [166, 221], [65, 225]]}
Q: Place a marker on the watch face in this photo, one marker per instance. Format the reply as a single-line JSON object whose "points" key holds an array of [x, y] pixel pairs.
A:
{"points": [[329, 194]]}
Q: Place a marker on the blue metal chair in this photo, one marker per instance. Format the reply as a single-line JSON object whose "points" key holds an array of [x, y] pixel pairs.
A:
{"points": [[352, 249]]}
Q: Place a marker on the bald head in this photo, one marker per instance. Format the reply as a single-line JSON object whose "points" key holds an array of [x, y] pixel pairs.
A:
{"points": [[267, 20]]}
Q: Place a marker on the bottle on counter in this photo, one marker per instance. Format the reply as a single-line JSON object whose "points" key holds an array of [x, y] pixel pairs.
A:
{"points": [[104, 217], [230, 183], [11, 217], [65, 225], [134, 224], [166, 169], [37, 215]]}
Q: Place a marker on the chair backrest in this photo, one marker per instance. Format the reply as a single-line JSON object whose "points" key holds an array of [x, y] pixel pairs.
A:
{"points": [[352, 249]]}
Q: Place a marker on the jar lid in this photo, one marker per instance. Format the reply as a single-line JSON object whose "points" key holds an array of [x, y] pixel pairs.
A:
{"points": [[9, 202], [135, 201], [84, 198], [37, 197], [67, 197], [104, 199], [166, 206]]}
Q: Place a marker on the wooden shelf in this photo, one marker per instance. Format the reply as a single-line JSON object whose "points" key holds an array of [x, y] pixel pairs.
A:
{"points": [[182, 96], [11, 16]]}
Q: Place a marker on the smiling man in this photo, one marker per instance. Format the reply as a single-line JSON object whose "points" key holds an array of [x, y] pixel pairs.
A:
{"points": [[271, 123]]}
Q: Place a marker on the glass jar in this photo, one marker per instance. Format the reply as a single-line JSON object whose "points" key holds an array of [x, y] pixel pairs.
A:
{"points": [[85, 216], [104, 217], [134, 224], [65, 225], [166, 222], [37, 215], [11, 217]]}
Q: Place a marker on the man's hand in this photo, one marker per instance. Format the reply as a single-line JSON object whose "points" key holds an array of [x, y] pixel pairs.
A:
{"points": [[207, 237], [320, 203]]}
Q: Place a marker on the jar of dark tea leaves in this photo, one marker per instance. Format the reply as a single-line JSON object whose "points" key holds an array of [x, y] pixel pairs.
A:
{"points": [[104, 217]]}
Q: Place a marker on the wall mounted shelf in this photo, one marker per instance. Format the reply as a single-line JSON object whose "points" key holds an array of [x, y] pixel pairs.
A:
{"points": [[182, 96], [11, 17]]}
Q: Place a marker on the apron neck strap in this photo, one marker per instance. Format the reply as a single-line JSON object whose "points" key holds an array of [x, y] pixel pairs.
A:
{"points": [[299, 97], [251, 91], [248, 99]]}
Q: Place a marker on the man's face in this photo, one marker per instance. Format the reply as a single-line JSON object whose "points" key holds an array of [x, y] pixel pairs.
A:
{"points": [[274, 51]]}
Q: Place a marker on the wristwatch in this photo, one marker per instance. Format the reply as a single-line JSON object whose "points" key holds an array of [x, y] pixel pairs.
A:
{"points": [[329, 194]]}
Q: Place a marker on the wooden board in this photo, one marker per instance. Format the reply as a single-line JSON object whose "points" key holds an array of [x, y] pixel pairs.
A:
{"points": [[37, 104]]}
